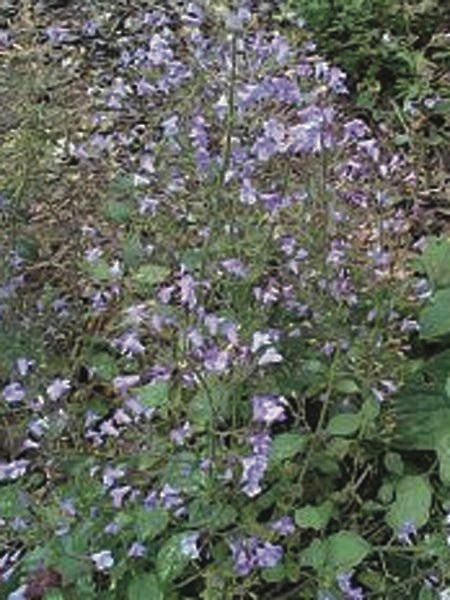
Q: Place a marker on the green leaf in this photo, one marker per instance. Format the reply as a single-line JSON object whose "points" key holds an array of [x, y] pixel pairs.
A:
{"points": [[145, 587], [118, 212], [150, 523], [436, 261], [315, 555], [425, 593], [284, 446], [53, 595], [413, 497], [9, 500], [434, 320], [148, 276], [347, 386], [394, 463], [205, 404], [171, 560], [274, 574], [184, 473], [447, 387], [344, 424], [104, 364], [153, 395], [443, 454], [214, 517], [346, 549], [99, 270], [314, 517], [422, 419], [132, 251]]}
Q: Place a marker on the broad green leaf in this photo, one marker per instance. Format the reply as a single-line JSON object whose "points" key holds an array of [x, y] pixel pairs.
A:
{"points": [[118, 212], [314, 517], [426, 593], [434, 319], [53, 595], [132, 251], [412, 503], [369, 411], [150, 523], [153, 395], [436, 261], [344, 424], [104, 364], [184, 473], [315, 555], [394, 463], [199, 411], [386, 492], [147, 276], [274, 574], [447, 387], [443, 454], [347, 386], [202, 513], [99, 270], [346, 549], [145, 587], [207, 405], [9, 500], [172, 560], [422, 419], [286, 445]]}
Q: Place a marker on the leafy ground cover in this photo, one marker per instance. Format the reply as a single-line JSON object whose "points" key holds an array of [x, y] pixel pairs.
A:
{"points": [[215, 320]]}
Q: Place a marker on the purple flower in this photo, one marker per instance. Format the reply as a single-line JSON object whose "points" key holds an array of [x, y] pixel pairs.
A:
{"points": [[260, 442], [123, 382], [216, 361], [5, 42], [268, 555], [13, 393], [253, 553], [151, 500], [19, 594], [193, 17], [136, 550], [170, 497], [68, 507], [283, 526], [108, 428], [129, 344], [23, 366], [58, 388], [90, 29], [270, 356], [254, 468], [248, 194], [118, 495], [235, 267], [13, 470], [103, 560], [189, 545], [269, 409], [111, 475], [405, 532], [345, 584], [121, 417], [112, 528], [178, 436], [264, 148], [59, 35], [187, 290], [261, 339]]}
